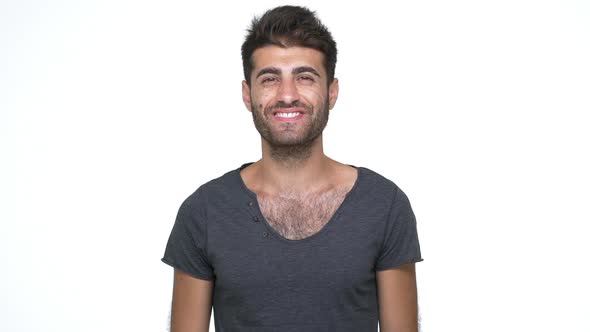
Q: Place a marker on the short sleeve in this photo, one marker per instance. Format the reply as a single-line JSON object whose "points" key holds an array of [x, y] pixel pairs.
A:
{"points": [[186, 248], [400, 242]]}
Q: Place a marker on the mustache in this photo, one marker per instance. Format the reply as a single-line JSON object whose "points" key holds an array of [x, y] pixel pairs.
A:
{"points": [[282, 104]]}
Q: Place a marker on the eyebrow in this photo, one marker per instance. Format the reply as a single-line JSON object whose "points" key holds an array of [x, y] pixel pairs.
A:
{"points": [[295, 71], [305, 69], [268, 70]]}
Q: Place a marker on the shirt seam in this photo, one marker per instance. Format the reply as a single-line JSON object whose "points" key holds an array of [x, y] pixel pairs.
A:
{"points": [[399, 262], [176, 265], [205, 221], [388, 221]]}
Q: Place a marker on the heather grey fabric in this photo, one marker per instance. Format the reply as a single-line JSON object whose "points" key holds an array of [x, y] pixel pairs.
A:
{"points": [[265, 282]]}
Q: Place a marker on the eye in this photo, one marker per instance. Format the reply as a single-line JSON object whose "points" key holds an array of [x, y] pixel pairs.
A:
{"points": [[306, 78], [268, 80]]}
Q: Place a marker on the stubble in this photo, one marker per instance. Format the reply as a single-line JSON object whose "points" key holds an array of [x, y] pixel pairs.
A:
{"points": [[291, 150]]}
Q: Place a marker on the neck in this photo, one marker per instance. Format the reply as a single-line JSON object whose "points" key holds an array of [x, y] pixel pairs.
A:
{"points": [[293, 168], [290, 157]]}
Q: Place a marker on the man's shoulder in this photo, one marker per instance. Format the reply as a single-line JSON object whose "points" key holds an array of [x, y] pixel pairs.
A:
{"points": [[222, 182], [377, 181], [225, 185]]}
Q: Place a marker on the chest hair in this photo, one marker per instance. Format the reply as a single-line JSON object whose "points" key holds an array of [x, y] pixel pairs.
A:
{"points": [[296, 216]]}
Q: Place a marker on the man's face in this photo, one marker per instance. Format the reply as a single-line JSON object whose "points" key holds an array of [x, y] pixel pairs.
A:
{"points": [[289, 95]]}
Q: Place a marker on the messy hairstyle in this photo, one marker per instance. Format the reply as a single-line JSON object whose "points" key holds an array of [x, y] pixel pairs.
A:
{"points": [[287, 26]]}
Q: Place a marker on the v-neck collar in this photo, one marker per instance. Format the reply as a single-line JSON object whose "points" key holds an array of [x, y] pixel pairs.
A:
{"points": [[253, 203]]}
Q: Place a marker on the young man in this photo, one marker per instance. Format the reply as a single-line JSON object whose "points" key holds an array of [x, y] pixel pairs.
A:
{"points": [[295, 241]]}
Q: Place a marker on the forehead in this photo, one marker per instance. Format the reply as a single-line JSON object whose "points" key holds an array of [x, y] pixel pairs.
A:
{"points": [[287, 57]]}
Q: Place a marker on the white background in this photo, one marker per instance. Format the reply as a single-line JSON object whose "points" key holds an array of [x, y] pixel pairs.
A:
{"points": [[112, 112]]}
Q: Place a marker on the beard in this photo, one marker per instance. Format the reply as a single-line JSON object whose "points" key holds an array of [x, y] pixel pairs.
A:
{"points": [[289, 142]]}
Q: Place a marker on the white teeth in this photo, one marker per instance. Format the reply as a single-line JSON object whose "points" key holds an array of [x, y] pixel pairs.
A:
{"points": [[288, 115]]}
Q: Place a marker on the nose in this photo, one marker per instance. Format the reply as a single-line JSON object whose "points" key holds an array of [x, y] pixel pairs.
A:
{"points": [[288, 92]]}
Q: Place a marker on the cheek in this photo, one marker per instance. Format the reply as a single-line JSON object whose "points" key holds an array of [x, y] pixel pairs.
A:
{"points": [[314, 97], [262, 99]]}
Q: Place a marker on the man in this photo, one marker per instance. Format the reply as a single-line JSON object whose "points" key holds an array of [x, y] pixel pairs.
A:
{"points": [[295, 241]]}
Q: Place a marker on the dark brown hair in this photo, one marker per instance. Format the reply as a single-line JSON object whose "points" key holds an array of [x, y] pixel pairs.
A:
{"points": [[289, 26]]}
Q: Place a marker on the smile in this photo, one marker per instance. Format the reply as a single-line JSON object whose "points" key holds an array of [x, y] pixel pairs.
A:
{"points": [[288, 116]]}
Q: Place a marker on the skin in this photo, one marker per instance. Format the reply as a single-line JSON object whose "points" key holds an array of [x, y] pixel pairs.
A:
{"points": [[396, 291], [288, 80], [292, 156], [192, 301]]}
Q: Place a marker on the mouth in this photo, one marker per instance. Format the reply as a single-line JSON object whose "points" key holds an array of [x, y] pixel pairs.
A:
{"points": [[288, 114]]}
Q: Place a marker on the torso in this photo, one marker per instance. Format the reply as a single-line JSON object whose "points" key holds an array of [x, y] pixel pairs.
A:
{"points": [[298, 215]]}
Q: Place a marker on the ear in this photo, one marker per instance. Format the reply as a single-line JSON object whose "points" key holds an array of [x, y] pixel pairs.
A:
{"points": [[333, 92], [246, 95]]}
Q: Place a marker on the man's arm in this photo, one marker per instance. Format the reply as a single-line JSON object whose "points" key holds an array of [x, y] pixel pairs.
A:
{"points": [[398, 307], [191, 303]]}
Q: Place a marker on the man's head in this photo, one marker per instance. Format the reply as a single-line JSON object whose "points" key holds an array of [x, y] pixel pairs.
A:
{"points": [[289, 26], [289, 86]]}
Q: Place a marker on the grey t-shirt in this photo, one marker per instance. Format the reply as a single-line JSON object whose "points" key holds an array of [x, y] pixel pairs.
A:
{"points": [[265, 282]]}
